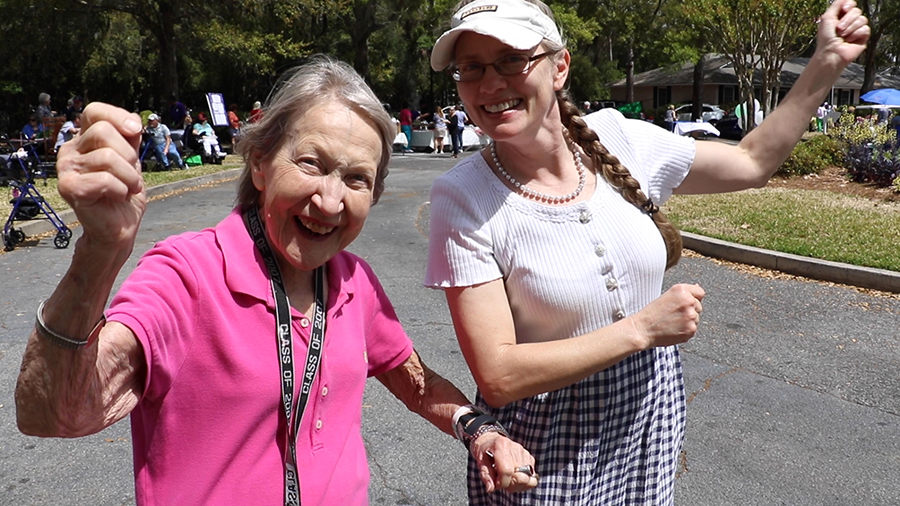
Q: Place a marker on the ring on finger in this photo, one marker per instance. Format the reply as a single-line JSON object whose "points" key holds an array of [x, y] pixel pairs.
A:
{"points": [[529, 470]]}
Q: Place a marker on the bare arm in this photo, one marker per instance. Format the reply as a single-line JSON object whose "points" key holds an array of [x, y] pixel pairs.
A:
{"points": [[842, 36], [506, 371], [68, 393], [434, 398]]}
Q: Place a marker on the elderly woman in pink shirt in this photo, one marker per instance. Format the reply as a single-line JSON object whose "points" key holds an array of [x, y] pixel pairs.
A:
{"points": [[241, 351]]}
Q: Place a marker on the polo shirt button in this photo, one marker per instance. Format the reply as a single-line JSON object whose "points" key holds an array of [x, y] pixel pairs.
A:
{"points": [[318, 424], [585, 217], [606, 269], [600, 250], [324, 391], [304, 322], [619, 315], [612, 284]]}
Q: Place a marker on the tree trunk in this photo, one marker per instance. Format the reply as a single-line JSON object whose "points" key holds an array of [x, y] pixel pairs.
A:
{"points": [[168, 55], [697, 109], [629, 74], [363, 25], [869, 62]]}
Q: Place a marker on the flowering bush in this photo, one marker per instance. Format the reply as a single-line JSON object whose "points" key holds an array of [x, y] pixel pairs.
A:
{"points": [[871, 151]]}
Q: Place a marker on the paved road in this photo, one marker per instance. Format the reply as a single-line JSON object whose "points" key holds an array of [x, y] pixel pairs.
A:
{"points": [[793, 391]]}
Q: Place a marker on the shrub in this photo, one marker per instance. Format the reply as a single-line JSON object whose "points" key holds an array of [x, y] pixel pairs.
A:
{"points": [[870, 150], [813, 156]]}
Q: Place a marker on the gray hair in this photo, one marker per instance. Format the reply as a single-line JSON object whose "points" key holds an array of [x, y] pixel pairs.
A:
{"points": [[322, 80], [43, 97]]}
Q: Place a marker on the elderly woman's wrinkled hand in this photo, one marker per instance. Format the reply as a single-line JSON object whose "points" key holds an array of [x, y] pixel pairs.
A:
{"points": [[503, 463], [100, 174]]}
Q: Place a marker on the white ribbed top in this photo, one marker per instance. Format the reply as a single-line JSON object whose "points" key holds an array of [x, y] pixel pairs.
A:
{"points": [[568, 270]]}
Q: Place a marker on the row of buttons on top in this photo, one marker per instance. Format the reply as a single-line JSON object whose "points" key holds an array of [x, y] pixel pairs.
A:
{"points": [[304, 322], [600, 250]]}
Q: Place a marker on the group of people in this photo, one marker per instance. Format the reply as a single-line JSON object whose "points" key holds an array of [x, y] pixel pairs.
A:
{"points": [[452, 123], [549, 245], [198, 135], [40, 122]]}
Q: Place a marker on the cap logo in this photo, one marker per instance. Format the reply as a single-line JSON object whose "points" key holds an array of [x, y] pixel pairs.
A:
{"points": [[476, 10]]}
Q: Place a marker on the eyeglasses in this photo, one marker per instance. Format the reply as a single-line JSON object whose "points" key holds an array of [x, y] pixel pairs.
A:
{"points": [[509, 65]]}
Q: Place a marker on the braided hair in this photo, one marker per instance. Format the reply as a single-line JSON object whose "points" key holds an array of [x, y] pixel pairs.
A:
{"points": [[616, 174]]}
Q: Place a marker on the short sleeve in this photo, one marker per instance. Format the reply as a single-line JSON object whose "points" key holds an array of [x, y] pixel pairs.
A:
{"points": [[387, 345], [460, 246], [158, 303], [657, 158]]}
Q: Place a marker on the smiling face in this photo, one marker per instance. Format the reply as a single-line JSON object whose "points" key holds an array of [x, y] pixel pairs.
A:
{"points": [[507, 106], [316, 191]]}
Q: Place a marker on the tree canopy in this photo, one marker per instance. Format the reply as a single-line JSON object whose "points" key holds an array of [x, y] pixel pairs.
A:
{"points": [[137, 53]]}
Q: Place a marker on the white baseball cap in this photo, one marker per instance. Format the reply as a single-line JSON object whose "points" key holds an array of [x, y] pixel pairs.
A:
{"points": [[152, 117], [516, 23]]}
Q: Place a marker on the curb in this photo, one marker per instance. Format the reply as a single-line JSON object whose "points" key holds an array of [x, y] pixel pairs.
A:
{"points": [[823, 270]]}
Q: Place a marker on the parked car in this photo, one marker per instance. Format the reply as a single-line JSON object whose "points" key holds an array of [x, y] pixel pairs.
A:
{"points": [[710, 114], [729, 127]]}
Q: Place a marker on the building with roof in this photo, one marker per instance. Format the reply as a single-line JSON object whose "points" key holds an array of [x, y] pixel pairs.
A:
{"points": [[662, 86]]}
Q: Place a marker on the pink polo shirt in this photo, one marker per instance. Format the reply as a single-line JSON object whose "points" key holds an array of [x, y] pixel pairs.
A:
{"points": [[209, 429]]}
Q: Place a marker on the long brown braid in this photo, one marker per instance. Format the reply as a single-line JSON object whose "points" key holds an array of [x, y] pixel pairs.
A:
{"points": [[616, 174]]}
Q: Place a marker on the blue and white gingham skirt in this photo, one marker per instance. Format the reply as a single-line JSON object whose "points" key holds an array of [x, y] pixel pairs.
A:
{"points": [[610, 439]]}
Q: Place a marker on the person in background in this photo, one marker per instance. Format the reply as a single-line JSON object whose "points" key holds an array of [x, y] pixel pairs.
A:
{"points": [[234, 124], [161, 141], [68, 130], [205, 136], [185, 347], [440, 129], [551, 248], [671, 118], [586, 107], [457, 120], [821, 113], [406, 120], [34, 129], [74, 105], [176, 112], [43, 109], [256, 113]]}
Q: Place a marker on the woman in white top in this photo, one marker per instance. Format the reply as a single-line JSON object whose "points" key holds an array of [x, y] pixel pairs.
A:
{"points": [[551, 250]]}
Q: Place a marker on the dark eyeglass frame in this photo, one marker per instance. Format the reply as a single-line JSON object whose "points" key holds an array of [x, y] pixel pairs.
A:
{"points": [[454, 71]]}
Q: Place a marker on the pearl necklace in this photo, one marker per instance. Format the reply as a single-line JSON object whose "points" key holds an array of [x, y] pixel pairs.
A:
{"points": [[536, 195]]}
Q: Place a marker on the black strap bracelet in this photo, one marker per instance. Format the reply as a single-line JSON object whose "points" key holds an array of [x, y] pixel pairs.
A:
{"points": [[477, 423]]}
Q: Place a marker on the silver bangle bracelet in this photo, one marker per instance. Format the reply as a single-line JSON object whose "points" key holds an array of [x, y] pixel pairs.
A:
{"points": [[62, 341]]}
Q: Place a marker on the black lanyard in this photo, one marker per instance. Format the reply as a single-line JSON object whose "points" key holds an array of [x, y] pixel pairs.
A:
{"points": [[284, 342]]}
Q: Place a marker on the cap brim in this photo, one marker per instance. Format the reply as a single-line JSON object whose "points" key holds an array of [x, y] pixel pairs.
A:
{"points": [[508, 33]]}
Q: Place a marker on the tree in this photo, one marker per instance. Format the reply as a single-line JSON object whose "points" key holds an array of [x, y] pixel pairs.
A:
{"points": [[757, 36], [883, 15]]}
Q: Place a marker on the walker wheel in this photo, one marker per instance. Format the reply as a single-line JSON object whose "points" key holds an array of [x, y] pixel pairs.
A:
{"points": [[8, 244], [61, 241], [17, 236], [68, 232]]}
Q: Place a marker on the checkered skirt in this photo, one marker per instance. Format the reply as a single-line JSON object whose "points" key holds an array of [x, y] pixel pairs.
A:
{"points": [[610, 439]]}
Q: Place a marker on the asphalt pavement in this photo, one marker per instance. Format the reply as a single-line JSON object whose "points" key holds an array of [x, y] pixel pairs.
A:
{"points": [[792, 384]]}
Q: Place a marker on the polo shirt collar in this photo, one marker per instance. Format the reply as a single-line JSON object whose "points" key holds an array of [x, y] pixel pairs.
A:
{"points": [[245, 271]]}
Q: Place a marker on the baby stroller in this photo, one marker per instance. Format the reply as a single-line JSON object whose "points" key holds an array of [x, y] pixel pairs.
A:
{"points": [[17, 172]]}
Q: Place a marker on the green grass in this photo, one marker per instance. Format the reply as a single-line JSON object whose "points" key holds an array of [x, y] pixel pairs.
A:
{"points": [[815, 224], [151, 179]]}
